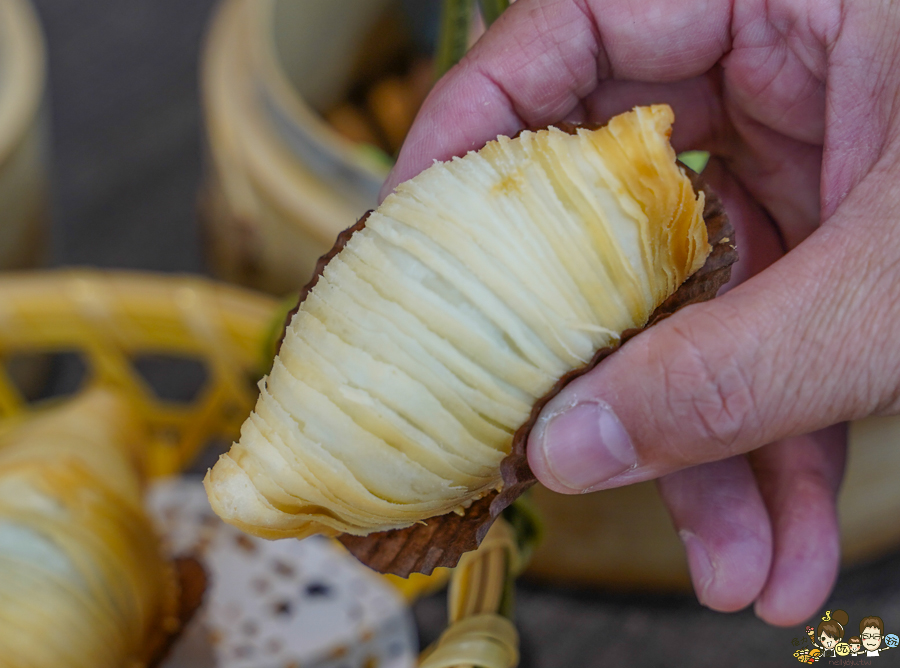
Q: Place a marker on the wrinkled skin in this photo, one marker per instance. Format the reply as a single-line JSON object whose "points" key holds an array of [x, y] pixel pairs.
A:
{"points": [[736, 405]]}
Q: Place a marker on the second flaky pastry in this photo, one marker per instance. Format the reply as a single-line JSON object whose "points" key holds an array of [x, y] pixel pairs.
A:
{"points": [[83, 580], [466, 295]]}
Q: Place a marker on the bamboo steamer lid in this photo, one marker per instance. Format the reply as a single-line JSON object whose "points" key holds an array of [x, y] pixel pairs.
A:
{"points": [[23, 137]]}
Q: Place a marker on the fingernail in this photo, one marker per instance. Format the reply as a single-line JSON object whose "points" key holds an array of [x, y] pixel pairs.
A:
{"points": [[699, 564], [586, 445]]}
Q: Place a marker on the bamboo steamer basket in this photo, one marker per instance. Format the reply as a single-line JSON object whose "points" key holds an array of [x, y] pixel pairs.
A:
{"points": [[282, 184], [23, 138]]}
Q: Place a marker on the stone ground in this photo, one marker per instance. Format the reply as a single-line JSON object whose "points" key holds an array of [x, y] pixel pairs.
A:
{"points": [[127, 154]]}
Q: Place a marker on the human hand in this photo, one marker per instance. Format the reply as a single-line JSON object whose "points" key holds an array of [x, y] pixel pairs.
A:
{"points": [[735, 404]]}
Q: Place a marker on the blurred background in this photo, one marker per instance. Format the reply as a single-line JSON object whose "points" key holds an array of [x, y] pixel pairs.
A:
{"points": [[124, 108], [235, 140]]}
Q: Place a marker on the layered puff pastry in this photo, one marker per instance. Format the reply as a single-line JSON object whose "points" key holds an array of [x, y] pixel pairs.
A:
{"points": [[83, 582], [422, 347]]}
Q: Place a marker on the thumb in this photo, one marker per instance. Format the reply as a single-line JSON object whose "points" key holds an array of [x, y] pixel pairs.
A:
{"points": [[781, 355]]}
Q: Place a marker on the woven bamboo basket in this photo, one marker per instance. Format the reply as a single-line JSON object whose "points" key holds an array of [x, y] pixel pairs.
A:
{"points": [[23, 138], [282, 184], [111, 320]]}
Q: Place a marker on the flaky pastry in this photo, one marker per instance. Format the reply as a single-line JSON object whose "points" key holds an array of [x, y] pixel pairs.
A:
{"points": [[83, 583], [425, 342]]}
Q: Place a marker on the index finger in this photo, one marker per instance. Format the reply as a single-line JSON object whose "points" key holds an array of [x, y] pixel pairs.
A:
{"points": [[538, 61]]}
